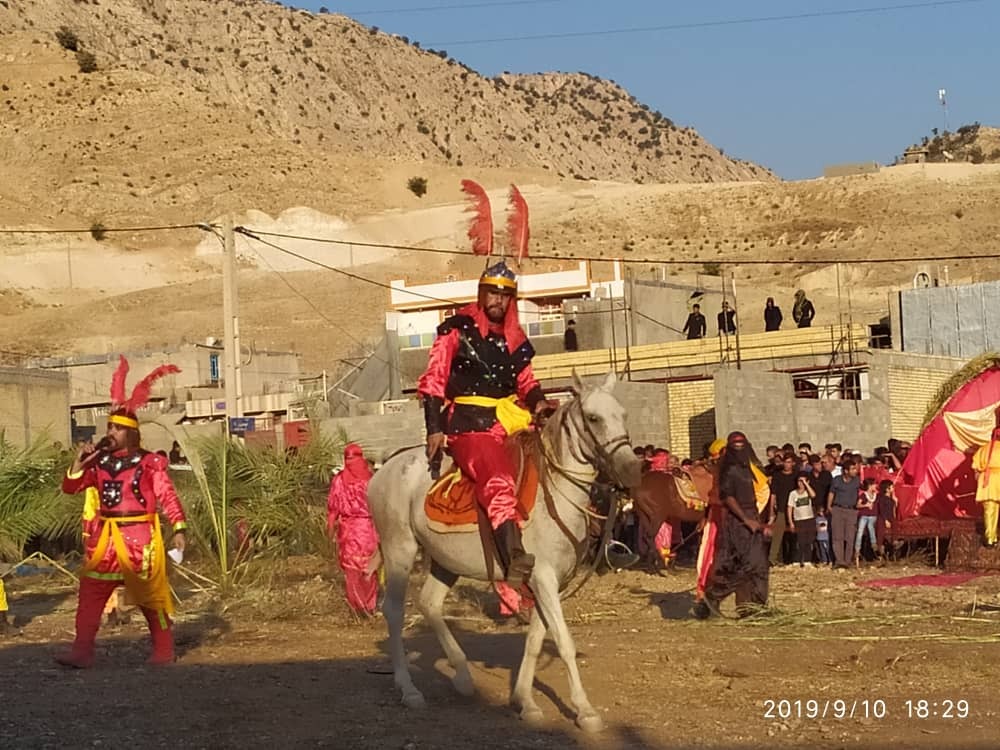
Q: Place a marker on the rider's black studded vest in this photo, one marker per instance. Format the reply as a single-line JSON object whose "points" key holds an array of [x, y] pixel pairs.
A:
{"points": [[480, 367]]}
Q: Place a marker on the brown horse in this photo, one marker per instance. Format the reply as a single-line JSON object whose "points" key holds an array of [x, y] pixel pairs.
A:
{"points": [[657, 501]]}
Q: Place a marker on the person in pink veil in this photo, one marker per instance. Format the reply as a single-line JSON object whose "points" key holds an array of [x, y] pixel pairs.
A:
{"points": [[667, 531], [357, 541]]}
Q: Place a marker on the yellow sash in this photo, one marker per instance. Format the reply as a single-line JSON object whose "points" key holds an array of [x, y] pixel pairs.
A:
{"points": [[761, 488], [151, 591], [3, 597], [511, 416]]}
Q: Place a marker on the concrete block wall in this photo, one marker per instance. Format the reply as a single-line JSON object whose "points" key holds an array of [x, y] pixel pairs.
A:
{"points": [[691, 407], [34, 403], [380, 435], [645, 411], [763, 405]]}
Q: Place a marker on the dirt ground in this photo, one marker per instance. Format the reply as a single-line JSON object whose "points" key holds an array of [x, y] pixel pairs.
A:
{"points": [[289, 666]]}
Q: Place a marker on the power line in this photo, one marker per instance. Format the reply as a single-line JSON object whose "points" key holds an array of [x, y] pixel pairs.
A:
{"points": [[348, 274], [314, 307], [690, 261], [204, 226], [456, 6], [709, 24]]}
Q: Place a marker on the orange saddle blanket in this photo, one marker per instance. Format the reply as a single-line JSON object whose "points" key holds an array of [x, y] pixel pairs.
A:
{"points": [[451, 501]]}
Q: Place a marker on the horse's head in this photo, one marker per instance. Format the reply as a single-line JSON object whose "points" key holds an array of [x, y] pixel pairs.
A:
{"points": [[595, 421]]}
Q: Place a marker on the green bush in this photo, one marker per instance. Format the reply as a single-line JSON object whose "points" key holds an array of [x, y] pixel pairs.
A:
{"points": [[86, 61], [417, 186], [68, 39]]}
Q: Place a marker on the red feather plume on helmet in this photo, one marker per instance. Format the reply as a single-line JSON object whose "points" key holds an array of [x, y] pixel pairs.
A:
{"points": [[141, 392]]}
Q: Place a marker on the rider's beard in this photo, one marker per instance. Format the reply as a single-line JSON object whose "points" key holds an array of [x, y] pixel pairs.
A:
{"points": [[495, 313]]}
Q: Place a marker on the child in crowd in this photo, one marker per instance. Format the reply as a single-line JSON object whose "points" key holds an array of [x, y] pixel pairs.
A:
{"points": [[866, 518], [823, 548]]}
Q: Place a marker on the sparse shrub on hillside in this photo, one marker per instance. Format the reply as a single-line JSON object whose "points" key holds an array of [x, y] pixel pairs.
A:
{"points": [[307, 42], [324, 9], [417, 186], [86, 61], [423, 129], [711, 269], [68, 39], [98, 231]]}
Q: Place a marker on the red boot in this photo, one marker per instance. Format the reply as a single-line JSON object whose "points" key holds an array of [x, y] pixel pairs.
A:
{"points": [[162, 636], [94, 594]]}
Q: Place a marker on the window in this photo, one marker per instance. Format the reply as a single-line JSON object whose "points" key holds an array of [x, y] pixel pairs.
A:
{"points": [[213, 368]]}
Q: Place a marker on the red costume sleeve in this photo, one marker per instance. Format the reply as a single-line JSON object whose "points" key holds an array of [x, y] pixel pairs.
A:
{"points": [[333, 505], [73, 483], [526, 382], [166, 495], [435, 377]]}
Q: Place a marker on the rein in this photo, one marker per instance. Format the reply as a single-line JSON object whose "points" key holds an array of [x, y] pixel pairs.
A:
{"points": [[583, 481]]}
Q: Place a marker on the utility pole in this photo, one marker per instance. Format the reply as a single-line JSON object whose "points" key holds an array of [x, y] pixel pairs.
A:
{"points": [[231, 327]]}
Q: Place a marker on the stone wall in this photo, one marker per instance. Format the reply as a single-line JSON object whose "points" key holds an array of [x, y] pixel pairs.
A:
{"points": [[34, 403]]}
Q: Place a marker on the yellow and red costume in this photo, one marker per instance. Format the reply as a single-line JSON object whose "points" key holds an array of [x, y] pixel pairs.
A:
{"points": [[986, 462], [123, 539]]}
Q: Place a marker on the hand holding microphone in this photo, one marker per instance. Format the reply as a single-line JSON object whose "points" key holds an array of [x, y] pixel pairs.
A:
{"points": [[90, 453]]}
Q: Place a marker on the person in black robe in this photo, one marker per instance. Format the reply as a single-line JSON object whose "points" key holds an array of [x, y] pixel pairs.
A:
{"points": [[741, 565]]}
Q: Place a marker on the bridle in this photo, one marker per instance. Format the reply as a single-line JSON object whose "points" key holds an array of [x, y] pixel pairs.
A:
{"points": [[603, 452]]}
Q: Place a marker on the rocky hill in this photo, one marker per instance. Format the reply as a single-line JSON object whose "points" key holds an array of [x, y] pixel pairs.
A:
{"points": [[973, 143], [234, 103]]}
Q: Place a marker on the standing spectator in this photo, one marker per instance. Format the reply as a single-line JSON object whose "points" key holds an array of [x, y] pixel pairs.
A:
{"points": [[726, 319], [176, 455], [802, 519], [866, 519], [783, 484], [772, 316], [741, 559], [4, 623], [842, 507], [819, 479], [885, 514], [803, 311], [986, 462], [696, 325], [350, 521], [569, 337], [823, 551], [832, 459]]}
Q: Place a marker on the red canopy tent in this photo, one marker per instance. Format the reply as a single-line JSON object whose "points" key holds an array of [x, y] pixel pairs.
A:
{"points": [[936, 479]]}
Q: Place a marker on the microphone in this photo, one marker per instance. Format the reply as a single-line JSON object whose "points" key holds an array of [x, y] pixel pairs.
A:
{"points": [[103, 445]]}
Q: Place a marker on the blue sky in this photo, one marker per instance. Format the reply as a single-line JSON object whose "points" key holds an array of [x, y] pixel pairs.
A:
{"points": [[792, 95]]}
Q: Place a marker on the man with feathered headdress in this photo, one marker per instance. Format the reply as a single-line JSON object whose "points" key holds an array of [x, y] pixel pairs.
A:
{"points": [[124, 544], [480, 365]]}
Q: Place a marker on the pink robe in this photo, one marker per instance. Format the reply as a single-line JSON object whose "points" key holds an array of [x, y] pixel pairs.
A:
{"points": [[357, 540]]}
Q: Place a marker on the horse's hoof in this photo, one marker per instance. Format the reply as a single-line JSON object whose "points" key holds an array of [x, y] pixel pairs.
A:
{"points": [[464, 685], [590, 724], [414, 700], [533, 717]]}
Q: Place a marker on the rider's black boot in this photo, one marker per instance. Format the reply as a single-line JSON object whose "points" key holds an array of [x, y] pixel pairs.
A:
{"points": [[517, 563]]}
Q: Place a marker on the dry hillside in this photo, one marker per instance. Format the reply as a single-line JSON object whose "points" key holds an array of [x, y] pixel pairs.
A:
{"points": [[973, 143], [312, 125], [197, 107]]}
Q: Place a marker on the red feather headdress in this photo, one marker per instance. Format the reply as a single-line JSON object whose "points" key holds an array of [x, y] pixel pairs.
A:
{"points": [[481, 227], [142, 390], [517, 225]]}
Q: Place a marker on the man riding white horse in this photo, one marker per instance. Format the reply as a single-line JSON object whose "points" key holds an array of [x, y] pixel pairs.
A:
{"points": [[480, 364]]}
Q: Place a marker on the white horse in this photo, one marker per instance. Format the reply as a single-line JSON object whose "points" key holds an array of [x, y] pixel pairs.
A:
{"points": [[585, 435]]}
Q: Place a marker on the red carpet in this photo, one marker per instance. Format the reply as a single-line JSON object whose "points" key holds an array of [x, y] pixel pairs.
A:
{"points": [[943, 579]]}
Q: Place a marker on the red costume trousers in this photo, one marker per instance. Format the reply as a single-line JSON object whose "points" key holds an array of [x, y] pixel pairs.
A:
{"points": [[483, 459], [94, 594]]}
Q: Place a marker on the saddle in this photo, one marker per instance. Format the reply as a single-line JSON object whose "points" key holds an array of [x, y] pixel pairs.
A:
{"points": [[451, 505], [688, 492]]}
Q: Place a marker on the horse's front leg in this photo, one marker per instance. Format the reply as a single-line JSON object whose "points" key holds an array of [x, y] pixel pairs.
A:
{"points": [[523, 695], [432, 597], [398, 561], [546, 587]]}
